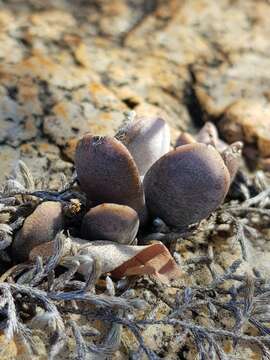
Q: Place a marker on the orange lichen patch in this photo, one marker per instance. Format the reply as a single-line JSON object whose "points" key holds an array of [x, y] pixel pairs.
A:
{"points": [[26, 148], [125, 93], [50, 24], [30, 125], [38, 63], [55, 72], [101, 41], [96, 87], [27, 89], [61, 110], [6, 20], [115, 8], [12, 349], [7, 75], [44, 147], [52, 17], [103, 97], [8, 348], [101, 125], [150, 110], [72, 39], [69, 149], [106, 116], [81, 54]]}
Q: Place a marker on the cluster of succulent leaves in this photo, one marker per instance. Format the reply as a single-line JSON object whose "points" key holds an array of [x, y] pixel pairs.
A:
{"points": [[43, 294]]}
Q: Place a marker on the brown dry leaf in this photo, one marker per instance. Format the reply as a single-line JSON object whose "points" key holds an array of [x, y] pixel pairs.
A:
{"points": [[154, 259], [120, 260]]}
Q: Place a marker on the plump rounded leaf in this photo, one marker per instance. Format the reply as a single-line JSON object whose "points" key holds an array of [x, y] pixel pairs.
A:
{"points": [[184, 138], [209, 135], [232, 157], [41, 226], [112, 222], [186, 185], [107, 172], [147, 139]]}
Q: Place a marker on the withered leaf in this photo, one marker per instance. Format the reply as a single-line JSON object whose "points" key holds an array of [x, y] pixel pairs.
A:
{"points": [[154, 259], [120, 260]]}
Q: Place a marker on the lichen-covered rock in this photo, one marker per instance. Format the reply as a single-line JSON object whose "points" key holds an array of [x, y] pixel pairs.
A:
{"points": [[219, 22], [90, 108], [8, 159], [244, 77], [163, 35], [149, 82]]}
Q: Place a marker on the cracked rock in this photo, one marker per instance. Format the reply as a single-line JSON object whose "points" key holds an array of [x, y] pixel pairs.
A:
{"points": [[217, 87]]}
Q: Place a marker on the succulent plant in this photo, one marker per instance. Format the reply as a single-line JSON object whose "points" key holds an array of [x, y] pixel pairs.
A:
{"points": [[112, 222], [41, 226], [182, 186], [190, 182]]}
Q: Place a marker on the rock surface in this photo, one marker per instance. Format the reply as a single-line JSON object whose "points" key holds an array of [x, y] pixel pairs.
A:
{"points": [[249, 121], [68, 67]]}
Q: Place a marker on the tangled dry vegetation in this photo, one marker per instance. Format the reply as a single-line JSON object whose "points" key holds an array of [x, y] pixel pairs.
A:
{"points": [[44, 293]]}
